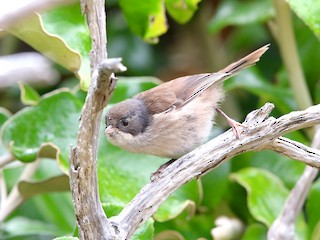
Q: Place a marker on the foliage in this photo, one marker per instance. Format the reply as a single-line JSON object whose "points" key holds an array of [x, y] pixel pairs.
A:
{"points": [[251, 187]]}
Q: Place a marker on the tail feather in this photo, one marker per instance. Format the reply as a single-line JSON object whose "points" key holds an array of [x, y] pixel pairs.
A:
{"points": [[245, 62]]}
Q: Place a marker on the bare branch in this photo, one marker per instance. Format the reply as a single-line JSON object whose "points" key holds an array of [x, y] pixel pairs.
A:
{"points": [[5, 159], [260, 131], [296, 150], [284, 226], [15, 198], [26, 67], [91, 218]]}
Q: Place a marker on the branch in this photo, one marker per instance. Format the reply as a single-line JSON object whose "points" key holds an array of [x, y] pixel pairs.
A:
{"points": [[260, 131], [29, 67], [15, 198], [5, 159], [284, 226], [296, 150], [91, 218]]}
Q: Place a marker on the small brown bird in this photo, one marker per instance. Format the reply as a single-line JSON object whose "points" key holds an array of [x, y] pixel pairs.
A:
{"points": [[175, 117]]}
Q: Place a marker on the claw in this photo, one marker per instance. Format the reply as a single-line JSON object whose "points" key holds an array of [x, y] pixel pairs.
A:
{"points": [[233, 123], [154, 176]]}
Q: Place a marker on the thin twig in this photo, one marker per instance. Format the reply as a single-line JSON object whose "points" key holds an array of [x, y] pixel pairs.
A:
{"points": [[15, 198], [5, 159], [296, 150]]}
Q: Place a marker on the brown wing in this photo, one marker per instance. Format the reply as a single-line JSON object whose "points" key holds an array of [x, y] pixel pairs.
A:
{"points": [[178, 92], [158, 99]]}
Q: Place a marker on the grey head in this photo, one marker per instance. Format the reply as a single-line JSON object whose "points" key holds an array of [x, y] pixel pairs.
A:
{"points": [[130, 116]]}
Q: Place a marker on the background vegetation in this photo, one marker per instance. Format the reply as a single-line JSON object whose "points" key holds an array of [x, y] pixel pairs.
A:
{"points": [[165, 39]]}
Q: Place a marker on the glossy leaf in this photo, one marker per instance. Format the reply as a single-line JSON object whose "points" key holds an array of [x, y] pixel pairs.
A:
{"points": [[53, 121], [235, 13], [32, 31], [28, 96], [266, 193], [145, 18], [69, 24], [308, 11], [266, 197], [181, 10], [24, 228], [288, 170]]}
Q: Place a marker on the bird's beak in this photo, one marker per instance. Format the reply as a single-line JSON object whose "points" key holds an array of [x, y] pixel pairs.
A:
{"points": [[109, 130]]}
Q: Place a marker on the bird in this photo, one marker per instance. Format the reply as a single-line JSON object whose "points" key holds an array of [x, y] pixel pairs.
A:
{"points": [[175, 117]]}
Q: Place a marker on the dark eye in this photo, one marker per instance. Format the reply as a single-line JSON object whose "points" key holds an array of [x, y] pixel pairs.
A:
{"points": [[124, 122]]}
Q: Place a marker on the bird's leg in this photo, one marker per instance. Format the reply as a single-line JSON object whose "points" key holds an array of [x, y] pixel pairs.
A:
{"points": [[160, 170], [233, 123]]}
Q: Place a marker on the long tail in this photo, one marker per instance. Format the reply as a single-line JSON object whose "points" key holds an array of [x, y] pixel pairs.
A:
{"points": [[245, 62]]}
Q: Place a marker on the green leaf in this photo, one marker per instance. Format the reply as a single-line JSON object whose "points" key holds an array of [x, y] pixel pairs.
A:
{"points": [[266, 197], [308, 11], [52, 122], [288, 170], [31, 31], [28, 96], [181, 10], [235, 13], [62, 35], [26, 228], [147, 19], [266, 193], [69, 24]]}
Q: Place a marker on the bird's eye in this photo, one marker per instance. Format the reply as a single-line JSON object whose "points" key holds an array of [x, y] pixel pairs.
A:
{"points": [[124, 122]]}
